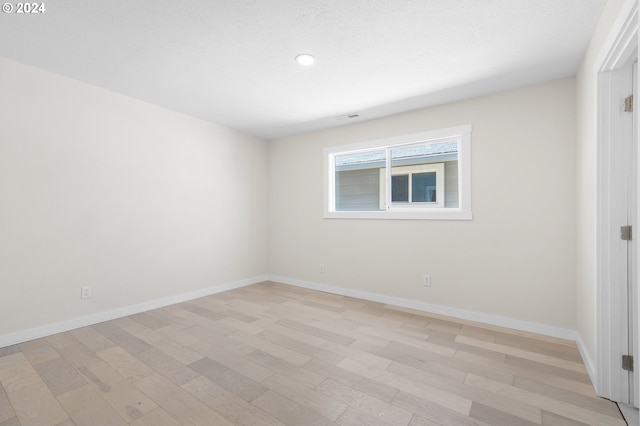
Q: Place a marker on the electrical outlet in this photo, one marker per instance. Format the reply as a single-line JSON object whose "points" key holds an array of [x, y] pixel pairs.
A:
{"points": [[85, 292], [322, 268], [229, 267], [426, 280]]}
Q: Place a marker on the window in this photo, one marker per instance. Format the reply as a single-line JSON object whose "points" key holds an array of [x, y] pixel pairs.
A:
{"points": [[419, 176]]}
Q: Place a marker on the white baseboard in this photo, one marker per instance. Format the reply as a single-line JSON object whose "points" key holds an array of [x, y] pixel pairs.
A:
{"points": [[588, 362], [532, 327], [50, 329], [59, 327]]}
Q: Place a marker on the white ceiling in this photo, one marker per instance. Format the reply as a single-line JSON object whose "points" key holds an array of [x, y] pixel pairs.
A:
{"points": [[232, 61]]}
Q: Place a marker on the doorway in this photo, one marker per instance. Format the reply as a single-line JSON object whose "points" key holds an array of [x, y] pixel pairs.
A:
{"points": [[617, 298]]}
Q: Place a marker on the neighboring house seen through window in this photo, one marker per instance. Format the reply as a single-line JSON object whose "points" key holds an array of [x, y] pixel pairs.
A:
{"points": [[419, 176]]}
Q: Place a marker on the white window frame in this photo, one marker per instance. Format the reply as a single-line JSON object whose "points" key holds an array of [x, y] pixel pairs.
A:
{"points": [[463, 212]]}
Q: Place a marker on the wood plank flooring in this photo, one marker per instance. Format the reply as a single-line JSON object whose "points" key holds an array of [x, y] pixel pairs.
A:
{"points": [[271, 354]]}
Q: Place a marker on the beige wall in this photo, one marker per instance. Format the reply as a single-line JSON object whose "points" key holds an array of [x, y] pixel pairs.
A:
{"points": [[143, 203], [586, 178], [515, 259], [138, 202]]}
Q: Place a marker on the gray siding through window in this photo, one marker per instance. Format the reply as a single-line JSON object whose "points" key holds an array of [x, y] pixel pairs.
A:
{"points": [[359, 190], [451, 184]]}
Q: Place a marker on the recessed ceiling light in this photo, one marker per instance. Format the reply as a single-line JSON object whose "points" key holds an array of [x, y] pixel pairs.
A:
{"points": [[305, 59]]}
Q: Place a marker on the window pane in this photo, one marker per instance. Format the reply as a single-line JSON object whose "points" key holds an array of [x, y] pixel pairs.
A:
{"points": [[400, 188], [423, 187], [418, 159], [357, 180], [358, 190]]}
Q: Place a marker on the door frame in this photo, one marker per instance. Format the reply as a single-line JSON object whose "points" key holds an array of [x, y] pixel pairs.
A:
{"points": [[613, 86]]}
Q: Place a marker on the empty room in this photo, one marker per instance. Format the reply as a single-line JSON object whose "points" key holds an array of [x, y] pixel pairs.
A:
{"points": [[319, 212]]}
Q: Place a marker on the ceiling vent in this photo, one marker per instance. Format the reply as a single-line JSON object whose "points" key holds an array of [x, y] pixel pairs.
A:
{"points": [[348, 116]]}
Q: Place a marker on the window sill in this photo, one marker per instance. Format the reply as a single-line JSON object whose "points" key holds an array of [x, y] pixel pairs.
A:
{"points": [[448, 214]]}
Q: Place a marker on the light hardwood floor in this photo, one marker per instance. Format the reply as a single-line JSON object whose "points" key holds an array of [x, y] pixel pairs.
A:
{"points": [[271, 354]]}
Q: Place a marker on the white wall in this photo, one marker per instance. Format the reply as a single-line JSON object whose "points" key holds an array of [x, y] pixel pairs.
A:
{"points": [[515, 259], [139, 202], [586, 179]]}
